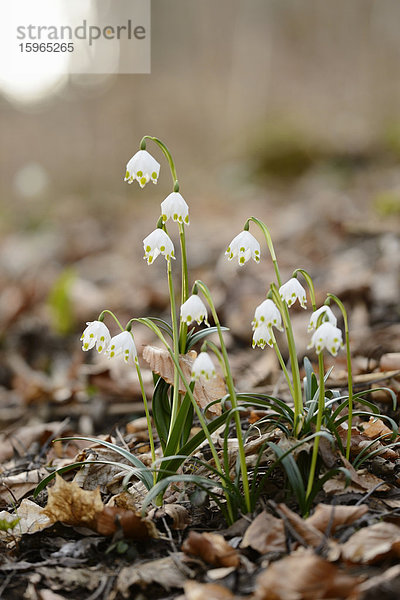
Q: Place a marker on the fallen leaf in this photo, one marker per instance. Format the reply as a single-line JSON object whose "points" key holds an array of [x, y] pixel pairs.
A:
{"points": [[211, 591], [15, 487], [31, 518], [70, 504], [303, 576], [327, 518], [372, 544], [133, 526], [311, 535], [384, 585], [164, 572], [265, 534], [177, 516], [375, 428], [205, 391], [212, 548]]}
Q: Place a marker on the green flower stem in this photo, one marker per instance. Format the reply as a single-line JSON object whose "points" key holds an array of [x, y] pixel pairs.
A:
{"points": [[148, 419], [310, 285], [321, 408], [167, 154], [297, 393], [175, 397], [109, 312], [196, 407], [232, 393], [270, 245], [349, 370], [185, 287]]}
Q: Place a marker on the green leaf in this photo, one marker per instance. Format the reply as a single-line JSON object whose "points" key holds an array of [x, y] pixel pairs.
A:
{"points": [[161, 410], [163, 325], [193, 338]]}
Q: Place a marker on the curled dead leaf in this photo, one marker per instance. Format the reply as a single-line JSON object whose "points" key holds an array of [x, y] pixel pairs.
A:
{"points": [[177, 515], [205, 391], [132, 525], [303, 576], [372, 544], [212, 548], [70, 504], [327, 518], [265, 534]]}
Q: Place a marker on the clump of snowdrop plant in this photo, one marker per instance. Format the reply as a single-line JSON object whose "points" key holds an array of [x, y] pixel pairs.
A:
{"points": [[173, 410]]}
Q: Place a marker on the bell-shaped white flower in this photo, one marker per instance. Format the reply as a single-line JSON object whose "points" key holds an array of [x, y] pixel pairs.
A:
{"points": [[124, 346], [327, 336], [158, 242], [291, 291], [174, 207], [328, 316], [244, 246], [142, 167], [194, 309], [96, 333], [203, 366], [267, 313], [262, 336]]}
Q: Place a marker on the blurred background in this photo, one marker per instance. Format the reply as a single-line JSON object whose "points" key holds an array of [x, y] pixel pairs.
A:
{"points": [[285, 109]]}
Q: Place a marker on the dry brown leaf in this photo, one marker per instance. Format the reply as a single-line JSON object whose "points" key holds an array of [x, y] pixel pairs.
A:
{"points": [[361, 480], [16, 487], [303, 576], [265, 534], [384, 585], [311, 535], [327, 518], [20, 439], [211, 591], [133, 526], [164, 571], [212, 548], [375, 428], [372, 544], [205, 391], [177, 515], [70, 504]]}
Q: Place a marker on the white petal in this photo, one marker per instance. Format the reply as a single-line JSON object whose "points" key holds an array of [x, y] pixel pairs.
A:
{"points": [[244, 246], [328, 316], [262, 336], [291, 291], [203, 366], [267, 313], [123, 345], [142, 167], [327, 336], [158, 242], [174, 207], [194, 309]]}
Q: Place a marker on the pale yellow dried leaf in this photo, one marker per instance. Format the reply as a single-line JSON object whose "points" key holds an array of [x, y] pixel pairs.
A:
{"points": [[209, 591], [212, 548], [70, 504], [205, 391]]}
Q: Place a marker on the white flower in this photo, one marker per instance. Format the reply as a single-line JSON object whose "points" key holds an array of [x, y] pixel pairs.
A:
{"points": [[157, 243], [262, 335], [174, 207], [194, 309], [327, 316], [244, 246], [95, 333], [267, 313], [203, 366], [327, 336], [291, 291], [123, 344], [142, 167]]}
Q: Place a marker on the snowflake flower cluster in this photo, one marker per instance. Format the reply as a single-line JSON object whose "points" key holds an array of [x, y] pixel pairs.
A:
{"points": [[121, 345]]}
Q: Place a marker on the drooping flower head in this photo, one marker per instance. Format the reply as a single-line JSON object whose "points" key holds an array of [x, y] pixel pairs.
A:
{"points": [[158, 242], [124, 346], [194, 309], [267, 314], [327, 336], [291, 291], [262, 336], [96, 333], [328, 316], [142, 167], [203, 366], [174, 207], [244, 246]]}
